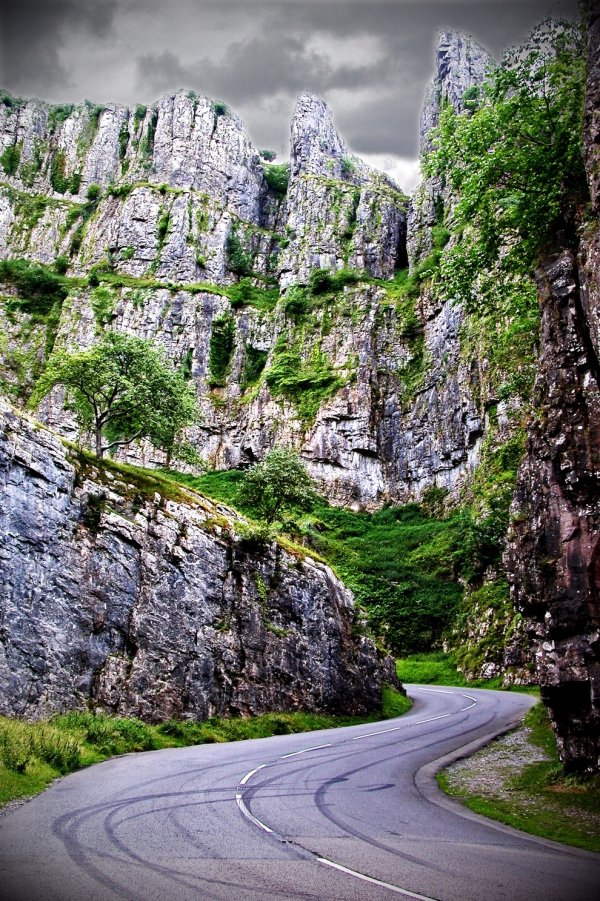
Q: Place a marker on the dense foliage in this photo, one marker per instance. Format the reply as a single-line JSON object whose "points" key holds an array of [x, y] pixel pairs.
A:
{"points": [[279, 484], [122, 389], [39, 287], [514, 161], [222, 345]]}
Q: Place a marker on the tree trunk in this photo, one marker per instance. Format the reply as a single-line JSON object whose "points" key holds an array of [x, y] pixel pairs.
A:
{"points": [[99, 450]]}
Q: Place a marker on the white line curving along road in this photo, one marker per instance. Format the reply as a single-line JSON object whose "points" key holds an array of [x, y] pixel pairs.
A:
{"points": [[340, 814]]}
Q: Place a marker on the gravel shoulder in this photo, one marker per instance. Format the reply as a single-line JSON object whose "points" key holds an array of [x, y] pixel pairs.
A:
{"points": [[519, 783]]}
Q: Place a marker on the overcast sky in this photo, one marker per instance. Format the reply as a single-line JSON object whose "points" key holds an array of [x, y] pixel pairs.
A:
{"points": [[370, 59]]}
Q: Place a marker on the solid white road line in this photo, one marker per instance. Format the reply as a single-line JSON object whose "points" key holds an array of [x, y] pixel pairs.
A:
{"points": [[388, 885], [251, 773], [248, 815], [305, 750]]}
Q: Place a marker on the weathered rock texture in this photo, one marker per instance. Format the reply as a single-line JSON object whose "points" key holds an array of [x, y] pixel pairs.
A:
{"points": [[554, 555], [115, 596], [187, 205]]}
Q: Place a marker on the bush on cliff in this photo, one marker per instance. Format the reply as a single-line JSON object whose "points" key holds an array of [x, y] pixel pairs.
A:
{"points": [[279, 484]]}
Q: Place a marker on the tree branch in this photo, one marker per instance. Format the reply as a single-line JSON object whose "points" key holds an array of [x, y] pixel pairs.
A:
{"points": [[125, 441]]}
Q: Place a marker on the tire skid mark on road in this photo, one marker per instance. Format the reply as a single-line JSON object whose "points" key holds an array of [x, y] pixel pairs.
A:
{"points": [[322, 806]]}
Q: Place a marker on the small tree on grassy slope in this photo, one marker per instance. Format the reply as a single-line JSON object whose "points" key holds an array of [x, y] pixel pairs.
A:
{"points": [[279, 483], [122, 389]]}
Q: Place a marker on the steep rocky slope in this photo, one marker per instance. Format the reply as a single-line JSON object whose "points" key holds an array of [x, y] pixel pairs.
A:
{"points": [[553, 557], [142, 604]]}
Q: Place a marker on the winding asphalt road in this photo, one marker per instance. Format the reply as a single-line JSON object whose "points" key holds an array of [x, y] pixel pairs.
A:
{"points": [[338, 814]]}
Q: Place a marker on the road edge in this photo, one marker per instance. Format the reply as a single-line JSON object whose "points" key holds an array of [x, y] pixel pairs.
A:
{"points": [[428, 787]]}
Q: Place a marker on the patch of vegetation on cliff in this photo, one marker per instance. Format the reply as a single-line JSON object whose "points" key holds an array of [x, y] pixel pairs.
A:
{"points": [[222, 346], [11, 157], [277, 176], [514, 163], [518, 780], [40, 296], [33, 754], [307, 381]]}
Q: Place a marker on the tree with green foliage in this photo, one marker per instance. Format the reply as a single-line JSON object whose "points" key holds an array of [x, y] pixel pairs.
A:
{"points": [[123, 389], [514, 160], [279, 483]]}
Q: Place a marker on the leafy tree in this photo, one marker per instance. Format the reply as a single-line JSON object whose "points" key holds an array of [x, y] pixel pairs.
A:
{"points": [[279, 483], [123, 389]]}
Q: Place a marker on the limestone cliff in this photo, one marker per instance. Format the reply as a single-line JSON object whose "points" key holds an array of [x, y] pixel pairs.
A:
{"points": [[120, 597], [184, 226]]}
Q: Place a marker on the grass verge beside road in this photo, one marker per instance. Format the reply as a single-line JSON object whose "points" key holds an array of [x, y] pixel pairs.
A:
{"points": [[34, 754], [518, 780]]}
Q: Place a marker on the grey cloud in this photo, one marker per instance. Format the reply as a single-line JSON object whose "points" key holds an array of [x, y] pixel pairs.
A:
{"points": [[256, 69], [33, 33]]}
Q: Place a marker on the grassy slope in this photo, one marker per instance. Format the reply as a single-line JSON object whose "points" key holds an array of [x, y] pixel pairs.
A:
{"points": [[400, 562]]}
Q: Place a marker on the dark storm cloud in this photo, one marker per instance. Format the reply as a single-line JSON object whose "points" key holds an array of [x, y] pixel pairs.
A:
{"points": [[258, 68], [34, 31], [282, 61], [371, 59]]}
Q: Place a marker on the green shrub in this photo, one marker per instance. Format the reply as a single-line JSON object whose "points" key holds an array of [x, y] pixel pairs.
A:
{"points": [[254, 363], [59, 114], [162, 227], [268, 155], [222, 344], [93, 192], [296, 303], [121, 191], [348, 167], [326, 281], [238, 260], [103, 303], [220, 109], [147, 142], [245, 293], [11, 158], [61, 264], [139, 115], [277, 176], [38, 286]]}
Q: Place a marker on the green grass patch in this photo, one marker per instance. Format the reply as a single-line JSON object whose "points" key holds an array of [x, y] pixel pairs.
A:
{"points": [[33, 754], [439, 668]]}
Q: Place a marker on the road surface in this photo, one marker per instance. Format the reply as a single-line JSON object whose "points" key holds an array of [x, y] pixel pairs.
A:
{"points": [[339, 814]]}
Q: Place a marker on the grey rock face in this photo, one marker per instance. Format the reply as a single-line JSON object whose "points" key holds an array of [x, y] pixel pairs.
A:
{"points": [[339, 212], [155, 607], [186, 183], [553, 557]]}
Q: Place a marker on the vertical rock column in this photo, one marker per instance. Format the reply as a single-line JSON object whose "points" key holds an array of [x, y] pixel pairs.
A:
{"points": [[553, 558]]}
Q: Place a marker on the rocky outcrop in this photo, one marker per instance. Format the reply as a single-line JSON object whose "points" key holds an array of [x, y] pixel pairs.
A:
{"points": [[153, 604], [461, 66], [553, 557]]}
